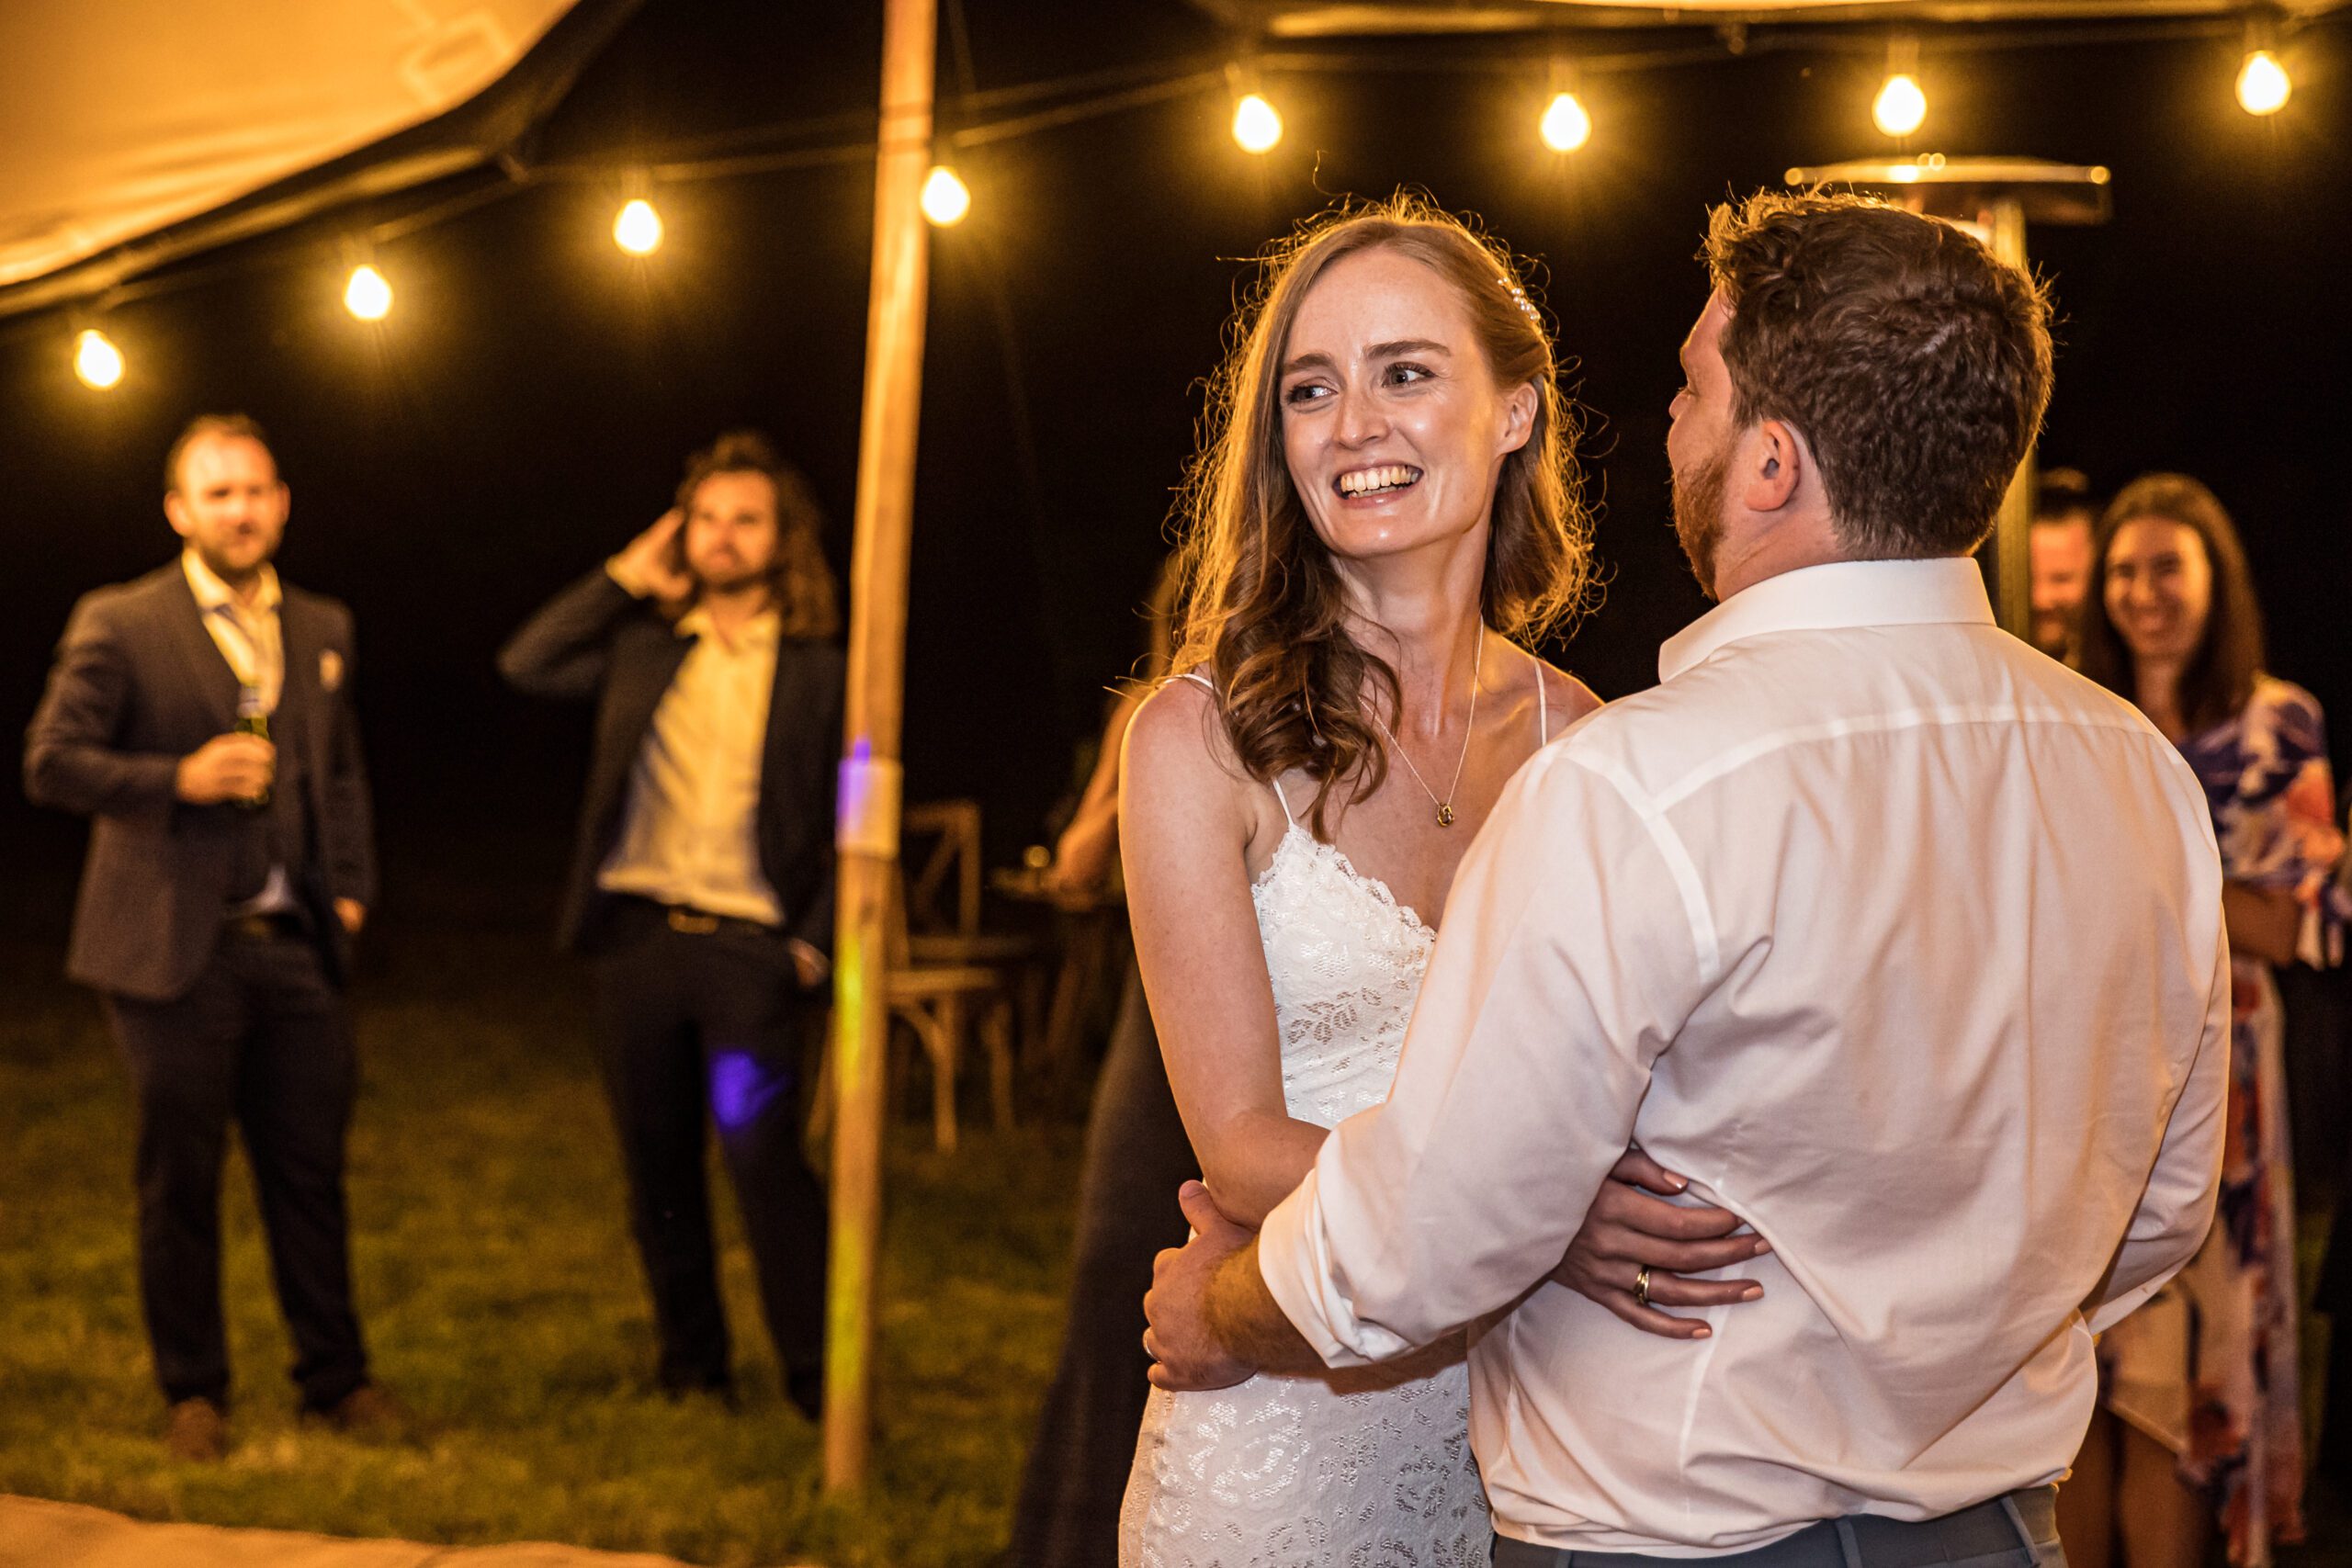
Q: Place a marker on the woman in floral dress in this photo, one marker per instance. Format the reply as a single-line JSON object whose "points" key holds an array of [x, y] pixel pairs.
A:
{"points": [[2200, 1424]]}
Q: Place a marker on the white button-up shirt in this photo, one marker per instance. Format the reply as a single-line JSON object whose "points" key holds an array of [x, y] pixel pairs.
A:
{"points": [[690, 832], [253, 641], [246, 632], [1906, 944]]}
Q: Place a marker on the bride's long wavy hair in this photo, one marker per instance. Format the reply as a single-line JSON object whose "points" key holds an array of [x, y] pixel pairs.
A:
{"points": [[1264, 611]]}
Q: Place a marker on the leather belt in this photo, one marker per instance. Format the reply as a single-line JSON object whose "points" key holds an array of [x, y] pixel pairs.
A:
{"points": [[2020, 1521], [687, 920], [278, 927]]}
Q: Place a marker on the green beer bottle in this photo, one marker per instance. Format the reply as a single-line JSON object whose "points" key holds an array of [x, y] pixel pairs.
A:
{"points": [[252, 720]]}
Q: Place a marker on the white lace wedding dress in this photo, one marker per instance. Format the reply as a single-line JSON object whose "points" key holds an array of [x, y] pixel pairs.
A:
{"points": [[1369, 1468]]}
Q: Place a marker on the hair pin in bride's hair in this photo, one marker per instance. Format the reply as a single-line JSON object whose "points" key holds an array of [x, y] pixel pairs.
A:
{"points": [[1519, 297]]}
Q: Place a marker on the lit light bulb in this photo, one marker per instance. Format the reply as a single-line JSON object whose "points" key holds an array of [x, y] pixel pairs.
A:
{"points": [[2263, 86], [638, 228], [1566, 125], [946, 198], [368, 295], [1900, 106], [96, 360], [1256, 126]]}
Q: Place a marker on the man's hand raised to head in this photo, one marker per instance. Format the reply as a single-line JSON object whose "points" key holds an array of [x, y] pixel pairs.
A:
{"points": [[1632, 1239], [653, 564], [1213, 1321]]}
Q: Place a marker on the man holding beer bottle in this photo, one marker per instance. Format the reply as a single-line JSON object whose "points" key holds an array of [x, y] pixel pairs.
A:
{"points": [[201, 717]]}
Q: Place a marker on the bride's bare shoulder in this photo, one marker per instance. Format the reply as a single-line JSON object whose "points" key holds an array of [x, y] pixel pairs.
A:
{"points": [[1570, 699], [1178, 737]]}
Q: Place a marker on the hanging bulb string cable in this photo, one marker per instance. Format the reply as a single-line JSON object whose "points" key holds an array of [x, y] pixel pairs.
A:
{"points": [[124, 278]]}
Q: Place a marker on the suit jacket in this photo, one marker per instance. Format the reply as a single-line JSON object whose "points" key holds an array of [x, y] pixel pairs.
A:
{"points": [[594, 641], [138, 685]]}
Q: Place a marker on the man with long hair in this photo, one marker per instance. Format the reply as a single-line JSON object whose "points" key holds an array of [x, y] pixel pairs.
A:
{"points": [[703, 884], [1904, 940]]}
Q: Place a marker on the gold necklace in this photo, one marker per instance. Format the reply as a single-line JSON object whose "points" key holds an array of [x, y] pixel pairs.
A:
{"points": [[1445, 806]]}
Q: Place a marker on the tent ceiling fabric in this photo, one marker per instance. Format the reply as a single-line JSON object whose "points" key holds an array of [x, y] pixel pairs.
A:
{"points": [[124, 117], [1361, 18]]}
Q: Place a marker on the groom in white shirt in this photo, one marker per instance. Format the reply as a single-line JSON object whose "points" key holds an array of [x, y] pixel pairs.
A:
{"points": [[1902, 940]]}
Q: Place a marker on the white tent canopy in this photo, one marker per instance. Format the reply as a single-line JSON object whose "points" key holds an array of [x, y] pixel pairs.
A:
{"points": [[139, 132], [126, 119]]}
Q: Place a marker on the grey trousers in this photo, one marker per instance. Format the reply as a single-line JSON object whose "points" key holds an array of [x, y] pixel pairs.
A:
{"points": [[2018, 1530]]}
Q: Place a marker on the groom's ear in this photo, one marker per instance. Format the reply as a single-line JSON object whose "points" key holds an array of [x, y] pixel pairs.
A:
{"points": [[1775, 464]]}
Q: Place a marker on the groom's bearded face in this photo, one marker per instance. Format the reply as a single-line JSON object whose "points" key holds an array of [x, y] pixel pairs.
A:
{"points": [[1699, 513], [1700, 440]]}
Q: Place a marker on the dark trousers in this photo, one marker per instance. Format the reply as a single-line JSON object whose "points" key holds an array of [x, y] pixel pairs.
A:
{"points": [[701, 1031], [1136, 1156], [262, 1039]]}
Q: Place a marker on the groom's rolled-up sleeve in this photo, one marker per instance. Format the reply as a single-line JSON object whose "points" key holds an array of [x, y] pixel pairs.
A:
{"points": [[1576, 941]]}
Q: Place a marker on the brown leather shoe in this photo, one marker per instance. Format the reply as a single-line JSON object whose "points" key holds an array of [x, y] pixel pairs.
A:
{"points": [[370, 1414], [196, 1430]]}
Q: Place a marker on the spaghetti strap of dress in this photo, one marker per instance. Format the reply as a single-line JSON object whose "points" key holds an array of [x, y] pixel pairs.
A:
{"points": [[1542, 707], [1279, 796]]}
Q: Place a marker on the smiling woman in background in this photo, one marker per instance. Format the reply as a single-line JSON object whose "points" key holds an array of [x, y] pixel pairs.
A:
{"points": [[2200, 1413]]}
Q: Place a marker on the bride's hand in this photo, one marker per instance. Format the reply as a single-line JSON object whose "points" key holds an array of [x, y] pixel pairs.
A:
{"points": [[1627, 1229]]}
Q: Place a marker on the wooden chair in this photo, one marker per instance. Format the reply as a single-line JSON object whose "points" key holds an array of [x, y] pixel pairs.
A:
{"points": [[936, 1000], [944, 836], [937, 1003], [944, 984], [940, 849]]}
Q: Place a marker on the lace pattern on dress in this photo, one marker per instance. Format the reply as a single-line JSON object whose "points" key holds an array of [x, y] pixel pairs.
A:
{"points": [[1368, 1468]]}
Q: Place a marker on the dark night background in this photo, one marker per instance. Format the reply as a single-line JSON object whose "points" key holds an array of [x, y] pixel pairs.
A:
{"points": [[525, 408]]}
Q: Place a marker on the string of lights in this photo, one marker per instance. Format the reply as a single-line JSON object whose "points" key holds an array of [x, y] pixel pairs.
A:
{"points": [[1900, 109]]}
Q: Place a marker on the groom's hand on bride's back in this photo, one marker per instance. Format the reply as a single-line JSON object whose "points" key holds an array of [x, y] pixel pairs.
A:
{"points": [[1628, 1230]]}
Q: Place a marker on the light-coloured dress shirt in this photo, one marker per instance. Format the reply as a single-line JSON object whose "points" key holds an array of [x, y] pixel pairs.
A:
{"points": [[251, 640], [246, 633], [690, 832], [1905, 944]]}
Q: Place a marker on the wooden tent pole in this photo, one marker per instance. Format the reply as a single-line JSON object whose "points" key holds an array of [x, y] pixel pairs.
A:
{"points": [[2004, 219], [866, 831]]}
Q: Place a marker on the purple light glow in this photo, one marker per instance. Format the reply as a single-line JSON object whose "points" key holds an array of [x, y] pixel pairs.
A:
{"points": [[742, 1085]]}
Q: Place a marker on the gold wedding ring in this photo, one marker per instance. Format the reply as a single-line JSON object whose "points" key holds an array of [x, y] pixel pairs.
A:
{"points": [[1641, 1286]]}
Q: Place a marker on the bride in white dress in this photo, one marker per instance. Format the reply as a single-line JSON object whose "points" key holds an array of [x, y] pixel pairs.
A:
{"points": [[1385, 506]]}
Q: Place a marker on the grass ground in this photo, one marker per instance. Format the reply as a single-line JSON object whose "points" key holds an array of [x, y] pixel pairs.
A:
{"points": [[501, 1300]]}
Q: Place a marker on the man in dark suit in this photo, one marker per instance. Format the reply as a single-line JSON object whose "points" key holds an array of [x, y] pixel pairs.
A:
{"points": [[703, 883], [201, 717]]}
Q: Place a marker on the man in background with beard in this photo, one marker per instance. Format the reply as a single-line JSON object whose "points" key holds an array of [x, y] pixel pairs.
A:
{"points": [[2060, 545], [703, 881], [201, 718]]}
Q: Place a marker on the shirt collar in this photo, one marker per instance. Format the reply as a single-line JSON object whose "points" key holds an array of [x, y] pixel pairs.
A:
{"points": [[212, 593], [1841, 595], [764, 630]]}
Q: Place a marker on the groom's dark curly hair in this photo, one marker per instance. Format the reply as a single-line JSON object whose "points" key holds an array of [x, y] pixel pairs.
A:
{"points": [[1915, 363]]}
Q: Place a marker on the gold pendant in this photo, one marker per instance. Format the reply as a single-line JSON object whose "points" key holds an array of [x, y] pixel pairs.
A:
{"points": [[1444, 815]]}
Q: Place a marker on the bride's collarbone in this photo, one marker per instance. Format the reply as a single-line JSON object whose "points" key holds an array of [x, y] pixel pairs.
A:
{"points": [[1390, 836]]}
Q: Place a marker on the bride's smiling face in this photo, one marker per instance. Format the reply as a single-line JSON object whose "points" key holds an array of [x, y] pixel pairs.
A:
{"points": [[1393, 428]]}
